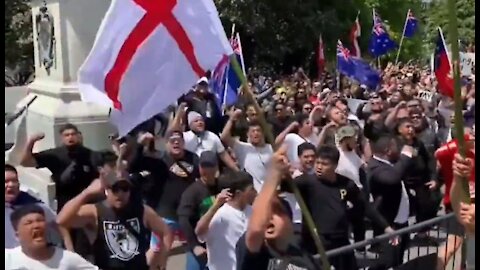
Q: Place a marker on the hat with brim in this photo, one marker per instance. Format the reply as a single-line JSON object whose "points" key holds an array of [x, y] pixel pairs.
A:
{"points": [[345, 132]]}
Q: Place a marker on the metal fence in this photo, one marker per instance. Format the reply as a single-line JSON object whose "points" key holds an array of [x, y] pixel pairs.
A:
{"points": [[417, 255]]}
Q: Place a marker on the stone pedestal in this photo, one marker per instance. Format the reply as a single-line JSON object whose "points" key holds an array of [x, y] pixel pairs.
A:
{"points": [[63, 33]]}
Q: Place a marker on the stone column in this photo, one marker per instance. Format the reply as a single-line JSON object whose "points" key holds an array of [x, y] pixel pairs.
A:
{"points": [[63, 34]]}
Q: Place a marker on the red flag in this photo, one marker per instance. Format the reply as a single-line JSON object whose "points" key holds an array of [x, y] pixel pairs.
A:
{"points": [[442, 68], [354, 35], [320, 57]]}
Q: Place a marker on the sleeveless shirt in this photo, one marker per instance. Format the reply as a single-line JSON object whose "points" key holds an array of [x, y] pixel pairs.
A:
{"points": [[121, 241]]}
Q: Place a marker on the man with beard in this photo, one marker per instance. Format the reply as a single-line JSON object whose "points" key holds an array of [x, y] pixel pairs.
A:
{"points": [[172, 172], [71, 164], [280, 119], [34, 252], [73, 168], [117, 227], [252, 156], [198, 140]]}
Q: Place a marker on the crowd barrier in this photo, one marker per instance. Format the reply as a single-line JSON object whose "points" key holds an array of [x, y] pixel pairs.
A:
{"points": [[417, 256]]}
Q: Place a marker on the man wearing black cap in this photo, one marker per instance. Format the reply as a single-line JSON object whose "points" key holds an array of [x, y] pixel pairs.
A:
{"points": [[195, 202], [117, 227], [267, 243]]}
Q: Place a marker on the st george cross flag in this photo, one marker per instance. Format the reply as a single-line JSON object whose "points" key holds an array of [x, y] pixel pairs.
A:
{"points": [[356, 68], [380, 41], [320, 57], [148, 53], [354, 35], [442, 68], [410, 25]]}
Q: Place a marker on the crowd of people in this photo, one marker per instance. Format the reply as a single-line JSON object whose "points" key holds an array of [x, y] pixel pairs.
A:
{"points": [[218, 179]]}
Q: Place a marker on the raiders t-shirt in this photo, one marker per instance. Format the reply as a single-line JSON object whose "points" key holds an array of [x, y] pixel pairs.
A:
{"points": [[267, 259]]}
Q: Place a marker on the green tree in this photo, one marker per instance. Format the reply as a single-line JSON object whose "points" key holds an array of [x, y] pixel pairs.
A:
{"points": [[438, 17], [18, 34]]}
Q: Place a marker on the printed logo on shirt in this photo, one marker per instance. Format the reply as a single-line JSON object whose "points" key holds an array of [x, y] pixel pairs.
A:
{"points": [[343, 193], [280, 264], [206, 204], [179, 171], [122, 243]]}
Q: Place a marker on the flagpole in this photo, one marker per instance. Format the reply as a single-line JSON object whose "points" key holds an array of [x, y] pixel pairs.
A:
{"points": [[403, 36], [462, 190], [306, 213], [445, 46], [241, 54], [459, 193], [225, 90]]}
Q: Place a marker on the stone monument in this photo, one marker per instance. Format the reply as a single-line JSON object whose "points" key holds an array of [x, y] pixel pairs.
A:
{"points": [[63, 34]]}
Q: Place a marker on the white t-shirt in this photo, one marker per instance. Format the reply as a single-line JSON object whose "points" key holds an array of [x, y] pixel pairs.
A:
{"points": [[292, 141], [207, 142], [226, 227], [62, 259], [11, 240], [292, 201], [349, 165], [253, 160]]}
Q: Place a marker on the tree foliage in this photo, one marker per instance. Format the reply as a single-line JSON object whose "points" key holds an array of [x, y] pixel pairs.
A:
{"points": [[18, 34], [438, 16], [281, 34]]}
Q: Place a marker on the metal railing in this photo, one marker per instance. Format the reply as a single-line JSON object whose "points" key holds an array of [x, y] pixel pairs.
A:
{"points": [[425, 257]]}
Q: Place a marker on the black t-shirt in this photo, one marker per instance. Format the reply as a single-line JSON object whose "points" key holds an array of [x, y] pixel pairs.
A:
{"points": [[167, 179], [279, 125], [267, 259], [179, 176], [332, 199], [72, 170], [195, 202]]}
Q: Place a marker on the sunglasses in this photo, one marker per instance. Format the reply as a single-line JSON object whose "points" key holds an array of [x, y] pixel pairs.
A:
{"points": [[307, 108], [124, 187]]}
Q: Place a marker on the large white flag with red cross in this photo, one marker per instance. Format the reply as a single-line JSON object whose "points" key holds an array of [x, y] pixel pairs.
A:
{"points": [[149, 52]]}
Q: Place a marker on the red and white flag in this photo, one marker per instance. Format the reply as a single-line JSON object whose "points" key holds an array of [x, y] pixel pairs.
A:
{"points": [[320, 57], [354, 35], [148, 53]]}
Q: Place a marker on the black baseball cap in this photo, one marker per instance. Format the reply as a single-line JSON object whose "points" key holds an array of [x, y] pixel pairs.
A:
{"points": [[208, 159], [282, 205]]}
